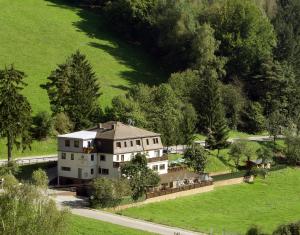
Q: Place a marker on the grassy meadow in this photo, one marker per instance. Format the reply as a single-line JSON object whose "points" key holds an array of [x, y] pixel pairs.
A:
{"points": [[36, 35], [83, 226], [233, 209]]}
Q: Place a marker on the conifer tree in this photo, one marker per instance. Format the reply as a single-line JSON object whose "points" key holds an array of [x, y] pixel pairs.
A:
{"points": [[15, 110], [73, 88]]}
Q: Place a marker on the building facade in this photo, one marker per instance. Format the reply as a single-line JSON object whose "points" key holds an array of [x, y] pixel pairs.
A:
{"points": [[100, 151]]}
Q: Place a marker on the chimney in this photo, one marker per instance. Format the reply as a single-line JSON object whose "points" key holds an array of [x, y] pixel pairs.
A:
{"points": [[113, 126], [99, 125]]}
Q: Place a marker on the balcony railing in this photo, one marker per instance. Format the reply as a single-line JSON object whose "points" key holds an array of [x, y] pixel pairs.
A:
{"points": [[88, 149], [157, 159]]}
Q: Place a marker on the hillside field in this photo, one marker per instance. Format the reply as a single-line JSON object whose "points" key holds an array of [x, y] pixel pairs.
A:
{"points": [[36, 35], [231, 209]]}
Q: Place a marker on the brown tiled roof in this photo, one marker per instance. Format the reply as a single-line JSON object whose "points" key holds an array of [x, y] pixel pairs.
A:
{"points": [[117, 131], [177, 176]]}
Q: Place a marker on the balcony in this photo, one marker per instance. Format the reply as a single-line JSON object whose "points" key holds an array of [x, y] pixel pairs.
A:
{"points": [[88, 150], [157, 159]]}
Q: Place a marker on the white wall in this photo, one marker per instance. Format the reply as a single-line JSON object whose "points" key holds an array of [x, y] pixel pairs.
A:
{"points": [[81, 160], [159, 171]]}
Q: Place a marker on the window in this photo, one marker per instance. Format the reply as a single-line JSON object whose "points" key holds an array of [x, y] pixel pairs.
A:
{"points": [[89, 144], [102, 158], [63, 168], [156, 153], [118, 157], [147, 141], [63, 155], [76, 143], [155, 167], [131, 143], [99, 170], [122, 158], [125, 144], [116, 164], [67, 143], [155, 140], [92, 171], [118, 144], [92, 157], [72, 156], [162, 166], [138, 142], [105, 171]]}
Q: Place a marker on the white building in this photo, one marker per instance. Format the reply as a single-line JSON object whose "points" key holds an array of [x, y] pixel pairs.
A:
{"points": [[100, 151]]}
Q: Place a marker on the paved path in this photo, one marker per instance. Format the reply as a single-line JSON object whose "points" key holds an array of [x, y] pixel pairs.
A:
{"points": [[130, 222], [77, 207]]}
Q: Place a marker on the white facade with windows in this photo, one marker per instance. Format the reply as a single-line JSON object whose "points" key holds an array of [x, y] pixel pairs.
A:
{"points": [[86, 154]]}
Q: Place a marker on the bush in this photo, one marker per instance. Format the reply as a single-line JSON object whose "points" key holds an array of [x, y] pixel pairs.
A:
{"points": [[293, 149], [10, 168], [40, 178], [42, 126], [62, 123], [108, 192], [288, 229]]}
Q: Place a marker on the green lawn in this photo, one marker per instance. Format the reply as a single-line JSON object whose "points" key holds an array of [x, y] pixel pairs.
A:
{"points": [[38, 148], [84, 226], [36, 35], [232, 134], [266, 203]]}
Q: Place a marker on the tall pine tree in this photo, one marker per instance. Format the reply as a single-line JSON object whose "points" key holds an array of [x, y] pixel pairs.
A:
{"points": [[73, 88], [15, 110]]}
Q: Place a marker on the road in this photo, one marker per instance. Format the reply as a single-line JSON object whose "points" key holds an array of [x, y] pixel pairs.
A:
{"points": [[180, 148], [33, 159], [77, 207]]}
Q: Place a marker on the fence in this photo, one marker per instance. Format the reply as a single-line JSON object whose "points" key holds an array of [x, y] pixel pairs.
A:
{"points": [[30, 161], [179, 189]]}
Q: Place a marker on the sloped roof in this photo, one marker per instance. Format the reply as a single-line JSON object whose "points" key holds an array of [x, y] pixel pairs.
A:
{"points": [[117, 130]]}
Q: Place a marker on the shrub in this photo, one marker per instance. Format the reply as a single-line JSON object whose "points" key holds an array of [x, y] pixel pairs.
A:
{"points": [[42, 126], [108, 192], [40, 178]]}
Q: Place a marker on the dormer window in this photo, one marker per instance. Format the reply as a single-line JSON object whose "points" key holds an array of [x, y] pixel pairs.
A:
{"points": [[138, 142], [155, 140], [118, 144], [147, 141], [125, 144], [131, 143]]}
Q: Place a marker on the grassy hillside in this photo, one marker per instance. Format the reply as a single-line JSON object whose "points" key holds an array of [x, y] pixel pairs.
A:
{"points": [[84, 226], [36, 35], [231, 209]]}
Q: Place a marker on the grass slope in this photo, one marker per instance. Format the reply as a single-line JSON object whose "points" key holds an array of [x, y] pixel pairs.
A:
{"points": [[84, 226], [36, 35], [266, 203]]}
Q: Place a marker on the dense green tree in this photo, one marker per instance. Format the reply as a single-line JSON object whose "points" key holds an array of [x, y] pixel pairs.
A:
{"points": [[252, 118], [233, 101], [62, 123], [292, 150], [196, 157], [286, 24], [188, 124], [265, 154], [42, 125], [108, 192], [15, 110], [237, 150], [73, 88], [276, 124], [139, 175], [25, 209], [245, 33]]}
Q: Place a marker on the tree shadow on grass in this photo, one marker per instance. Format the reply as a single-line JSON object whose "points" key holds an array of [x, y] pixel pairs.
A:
{"points": [[140, 68]]}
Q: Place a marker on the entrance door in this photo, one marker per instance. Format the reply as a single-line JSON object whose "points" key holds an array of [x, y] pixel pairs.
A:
{"points": [[79, 173]]}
